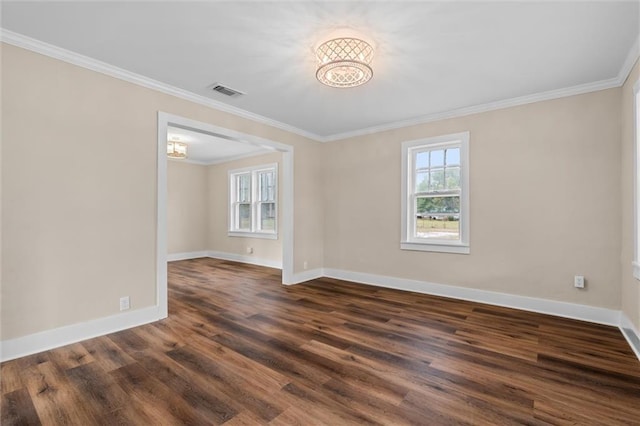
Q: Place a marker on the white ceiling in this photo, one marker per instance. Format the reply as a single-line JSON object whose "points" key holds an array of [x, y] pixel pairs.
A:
{"points": [[431, 57], [203, 148]]}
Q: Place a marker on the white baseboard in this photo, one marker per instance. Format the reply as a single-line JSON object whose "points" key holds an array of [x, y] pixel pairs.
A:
{"points": [[630, 333], [561, 309], [245, 259], [185, 256], [50, 339], [225, 256], [304, 276]]}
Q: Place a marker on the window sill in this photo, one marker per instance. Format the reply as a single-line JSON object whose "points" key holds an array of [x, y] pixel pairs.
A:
{"points": [[435, 247], [261, 235], [636, 270]]}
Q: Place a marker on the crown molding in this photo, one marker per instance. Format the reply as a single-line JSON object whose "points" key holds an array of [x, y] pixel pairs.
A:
{"points": [[629, 62], [74, 58], [476, 109], [623, 74], [50, 50]]}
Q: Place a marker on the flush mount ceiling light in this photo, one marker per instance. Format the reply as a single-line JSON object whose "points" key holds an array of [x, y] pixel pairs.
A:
{"points": [[176, 149], [344, 62]]}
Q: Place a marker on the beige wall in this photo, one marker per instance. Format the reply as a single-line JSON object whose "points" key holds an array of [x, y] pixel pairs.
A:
{"points": [[218, 196], [544, 202], [187, 207], [630, 286], [79, 191]]}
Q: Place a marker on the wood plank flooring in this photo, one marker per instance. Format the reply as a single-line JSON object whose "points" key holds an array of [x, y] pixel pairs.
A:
{"points": [[239, 348]]}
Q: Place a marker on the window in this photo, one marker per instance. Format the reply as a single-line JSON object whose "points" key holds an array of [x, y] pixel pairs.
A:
{"points": [[253, 201], [636, 179], [435, 198]]}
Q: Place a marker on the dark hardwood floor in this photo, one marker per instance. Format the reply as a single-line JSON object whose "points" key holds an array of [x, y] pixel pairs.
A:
{"points": [[238, 348]]}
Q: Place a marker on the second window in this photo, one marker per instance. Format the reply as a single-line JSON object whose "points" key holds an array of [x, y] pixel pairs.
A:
{"points": [[253, 196]]}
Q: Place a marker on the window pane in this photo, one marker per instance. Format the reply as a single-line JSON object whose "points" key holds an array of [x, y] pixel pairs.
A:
{"points": [[422, 160], [453, 156], [438, 217], [422, 182], [267, 186], [243, 185], [437, 180], [268, 216], [437, 158], [453, 177], [244, 216]]}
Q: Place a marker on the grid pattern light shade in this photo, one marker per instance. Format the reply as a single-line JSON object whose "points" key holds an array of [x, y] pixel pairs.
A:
{"points": [[344, 62], [176, 149]]}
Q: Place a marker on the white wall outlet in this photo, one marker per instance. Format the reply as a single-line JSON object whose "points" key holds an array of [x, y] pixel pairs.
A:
{"points": [[305, 264], [578, 281], [124, 303], [249, 250]]}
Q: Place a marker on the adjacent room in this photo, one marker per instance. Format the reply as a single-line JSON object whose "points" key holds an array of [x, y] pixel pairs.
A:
{"points": [[320, 213]]}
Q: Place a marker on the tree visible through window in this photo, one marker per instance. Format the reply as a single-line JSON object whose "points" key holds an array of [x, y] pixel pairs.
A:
{"points": [[253, 200], [437, 193]]}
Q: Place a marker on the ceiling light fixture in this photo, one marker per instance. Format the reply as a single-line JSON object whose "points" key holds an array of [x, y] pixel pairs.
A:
{"points": [[344, 62], [176, 149]]}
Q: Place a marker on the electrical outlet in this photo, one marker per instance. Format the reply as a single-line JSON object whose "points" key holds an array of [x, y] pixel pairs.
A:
{"points": [[305, 264], [124, 303], [249, 250], [578, 281]]}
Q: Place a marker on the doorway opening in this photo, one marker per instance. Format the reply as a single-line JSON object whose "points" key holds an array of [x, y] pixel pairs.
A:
{"points": [[285, 199]]}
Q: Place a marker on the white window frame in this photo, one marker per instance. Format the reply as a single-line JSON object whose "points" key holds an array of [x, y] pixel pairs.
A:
{"points": [[254, 231], [408, 240], [636, 180]]}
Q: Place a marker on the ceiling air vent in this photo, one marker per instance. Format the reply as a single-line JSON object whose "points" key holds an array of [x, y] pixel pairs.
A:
{"points": [[227, 91]]}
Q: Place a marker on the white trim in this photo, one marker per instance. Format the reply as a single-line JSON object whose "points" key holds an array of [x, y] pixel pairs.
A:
{"points": [[287, 228], [440, 248], [162, 289], [630, 333], [223, 133], [545, 306], [305, 276], [74, 58], [244, 259], [187, 255], [259, 235], [636, 180], [50, 339], [52, 51]]}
